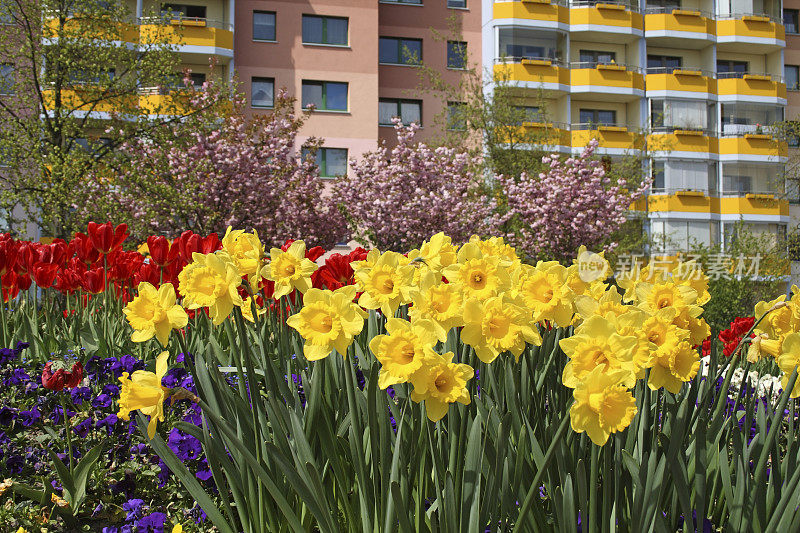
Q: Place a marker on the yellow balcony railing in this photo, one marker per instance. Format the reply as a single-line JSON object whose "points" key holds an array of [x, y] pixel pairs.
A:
{"points": [[683, 201], [609, 136], [751, 84], [147, 101], [187, 32], [683, 140], [536, 71], [682, 23], [744, 27], [754, 204], [752, 144], [686, 80], [542, 10], [609, 15], [614, 76]]}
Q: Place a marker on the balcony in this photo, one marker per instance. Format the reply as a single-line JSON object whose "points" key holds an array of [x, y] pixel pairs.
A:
{"points": [[200, 36], [753, 204], [621, 82], [762, 32], [689, 82], [542, 13], [149, 101], [758, 146], [614, 139], [751, 87], [612, 16], [679, 142], [686, 201], [533, 73], [663, 24], [551, 135]]}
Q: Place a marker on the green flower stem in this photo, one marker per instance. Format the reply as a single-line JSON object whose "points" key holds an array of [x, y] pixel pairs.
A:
{"points": [[67, 427], [526, 505]]}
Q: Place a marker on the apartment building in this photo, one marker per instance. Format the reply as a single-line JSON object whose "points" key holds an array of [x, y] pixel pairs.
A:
{"points": [[690, 85], [356, 61]]}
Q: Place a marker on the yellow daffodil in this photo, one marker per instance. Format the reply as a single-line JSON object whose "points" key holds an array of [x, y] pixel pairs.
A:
{"points": [[439, 383], [477, 275], [154, 312], [672, 369], [435, 254], [596, 343], [781, 321], [401, 351], [143, 391], [211, 280], [689, 273], [328, 320], [655, 296], [603, 405], [387, 284], [662, 334], [497, 247], [544, 291], [245, 249], [247, 309], [441, 303], [761, 344], [290, 269], [788, 361], [496, 325], [177, 528], [688, 319], [602, 303]]}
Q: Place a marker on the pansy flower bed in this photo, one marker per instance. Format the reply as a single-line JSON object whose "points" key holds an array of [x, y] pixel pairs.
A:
{"points": [[209, 384]]}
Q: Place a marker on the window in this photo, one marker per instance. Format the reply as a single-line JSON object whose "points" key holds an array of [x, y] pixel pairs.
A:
{"points": [[790, 20], [790, 76], [394, 51], [263, 26], [6, 79], [324, 30], [410, 2], [661, 64], [679, 114], [683, 234], [666, 5], [408, 110], [456, 54], [332, 162], [598, 117], [526, 43], [727, 68], [530, 113], [457, 4], [197, 79], [596, 57], [180, 11], [325, 95], [456, 116], [262, 91]]}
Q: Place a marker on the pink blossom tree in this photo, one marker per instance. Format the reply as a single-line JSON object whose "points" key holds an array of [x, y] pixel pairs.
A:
{"points": [[397, 198], [220, 169], [574, 203]]}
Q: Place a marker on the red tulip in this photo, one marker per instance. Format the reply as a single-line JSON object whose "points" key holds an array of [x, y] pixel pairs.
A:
{"points": [[60, 378], [94, 280], [44, 274], [161, 252], [105, 237], [81, 245], [123, 265], [190, 243], [8, 253], [23, 282]]}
